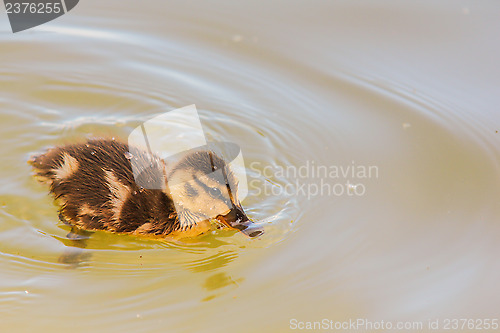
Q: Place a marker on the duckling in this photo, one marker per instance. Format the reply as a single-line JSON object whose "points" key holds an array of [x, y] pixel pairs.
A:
{"points": [[95, 185]]}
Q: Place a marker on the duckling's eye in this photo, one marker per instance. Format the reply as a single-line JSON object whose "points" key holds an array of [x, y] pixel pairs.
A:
{"points": [[215, 192]]}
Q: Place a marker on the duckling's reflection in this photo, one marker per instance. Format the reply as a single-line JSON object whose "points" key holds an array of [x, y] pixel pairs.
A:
{"points": [[216, 283], [76, 241], [220, 282], [213, 262]]}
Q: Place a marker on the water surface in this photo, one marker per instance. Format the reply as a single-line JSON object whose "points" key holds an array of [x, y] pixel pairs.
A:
{"points": [[410, 89]]}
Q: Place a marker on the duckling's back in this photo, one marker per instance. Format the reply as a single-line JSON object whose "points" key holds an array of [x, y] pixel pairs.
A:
{"points": [[95, 185]]}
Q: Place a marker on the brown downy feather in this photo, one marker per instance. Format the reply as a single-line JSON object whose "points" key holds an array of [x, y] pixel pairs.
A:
{"points": [[95, 185]]}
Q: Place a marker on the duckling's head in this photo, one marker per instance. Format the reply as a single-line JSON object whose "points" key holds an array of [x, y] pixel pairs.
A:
{"points": [[203, 187]]}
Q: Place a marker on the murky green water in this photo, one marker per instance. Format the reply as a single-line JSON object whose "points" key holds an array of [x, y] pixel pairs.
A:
{"points": [[409, 90]]}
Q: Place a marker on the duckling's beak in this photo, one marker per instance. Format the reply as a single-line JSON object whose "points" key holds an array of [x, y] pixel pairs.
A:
{"points": [[237, 219]]}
